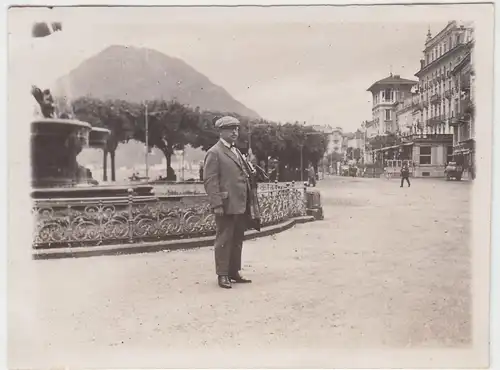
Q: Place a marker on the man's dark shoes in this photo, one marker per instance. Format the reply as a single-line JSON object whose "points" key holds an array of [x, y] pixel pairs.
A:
{"points": [[224, 282], [237, 278]]}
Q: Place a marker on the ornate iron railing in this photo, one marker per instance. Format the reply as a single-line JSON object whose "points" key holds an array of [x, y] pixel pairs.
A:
{"points": [[91, 222]]}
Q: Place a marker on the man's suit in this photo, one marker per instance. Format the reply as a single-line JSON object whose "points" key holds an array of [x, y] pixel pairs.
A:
{"points": [[227, 182]]}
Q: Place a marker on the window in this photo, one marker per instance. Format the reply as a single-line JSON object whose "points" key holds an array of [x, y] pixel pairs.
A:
{"points": [[451, 46], [387, 114], [425, 155], [445, 47], [388, 95], [449, 154]]}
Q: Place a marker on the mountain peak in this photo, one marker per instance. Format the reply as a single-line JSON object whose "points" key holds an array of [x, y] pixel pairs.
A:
{"points": [[137, 74]]}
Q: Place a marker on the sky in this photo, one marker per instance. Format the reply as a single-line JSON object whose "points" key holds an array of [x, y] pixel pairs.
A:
{"points": [[287, 64]]}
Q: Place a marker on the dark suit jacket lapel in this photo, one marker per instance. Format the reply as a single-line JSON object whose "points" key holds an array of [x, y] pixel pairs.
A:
{"points": [[230, 154]]}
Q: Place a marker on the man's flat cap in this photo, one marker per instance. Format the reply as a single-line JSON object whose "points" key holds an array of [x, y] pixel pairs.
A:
{"points": [[226, 121]]}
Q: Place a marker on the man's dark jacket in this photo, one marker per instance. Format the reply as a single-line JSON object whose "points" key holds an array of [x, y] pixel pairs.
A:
{"points": [[229, 183]]}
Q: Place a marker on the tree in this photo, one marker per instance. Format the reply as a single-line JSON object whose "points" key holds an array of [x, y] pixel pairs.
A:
{"points": [[206, 134], [267, 140], [171, 126], [315, 147], [115, 115]]}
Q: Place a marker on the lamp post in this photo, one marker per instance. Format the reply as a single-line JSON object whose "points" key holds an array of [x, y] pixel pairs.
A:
{"points": [[146, 159], [183, 154], [301, 163]]}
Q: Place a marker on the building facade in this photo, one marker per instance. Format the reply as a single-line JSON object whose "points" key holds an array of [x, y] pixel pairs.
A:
{"points": [[436, 86], [337, 140], [463, 114], [438, 92], [386, 94], [430, 122], [407, 122]]}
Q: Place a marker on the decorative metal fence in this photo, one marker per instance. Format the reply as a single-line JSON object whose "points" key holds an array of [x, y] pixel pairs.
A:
{"points": [[91, 222]]}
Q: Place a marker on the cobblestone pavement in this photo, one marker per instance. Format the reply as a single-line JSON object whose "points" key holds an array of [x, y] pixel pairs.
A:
{"points": [[388, 267]]}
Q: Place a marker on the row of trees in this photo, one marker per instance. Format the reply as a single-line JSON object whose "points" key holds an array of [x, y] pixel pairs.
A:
{"points": [[172, 126]]}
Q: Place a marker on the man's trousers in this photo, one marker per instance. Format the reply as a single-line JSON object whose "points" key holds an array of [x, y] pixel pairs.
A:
{"points": [[229, 243], [405, 178]]}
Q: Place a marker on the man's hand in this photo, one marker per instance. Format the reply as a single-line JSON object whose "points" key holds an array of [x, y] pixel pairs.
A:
{"points": [[219, 211]]}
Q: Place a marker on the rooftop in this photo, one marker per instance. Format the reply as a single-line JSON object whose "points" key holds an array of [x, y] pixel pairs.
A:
{"points": [[390, 81]]}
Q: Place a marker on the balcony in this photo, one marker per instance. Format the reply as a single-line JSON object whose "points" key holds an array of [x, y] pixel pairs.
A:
{"points": [[435, 98], [464, 107], [431, 122], [456, 121], [418, 106]]}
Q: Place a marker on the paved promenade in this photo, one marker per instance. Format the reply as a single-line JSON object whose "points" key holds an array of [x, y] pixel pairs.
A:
{"points": [[388, 267]]}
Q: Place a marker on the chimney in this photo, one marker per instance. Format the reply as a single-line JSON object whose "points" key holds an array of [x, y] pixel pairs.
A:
{"points": [[397, 76]]}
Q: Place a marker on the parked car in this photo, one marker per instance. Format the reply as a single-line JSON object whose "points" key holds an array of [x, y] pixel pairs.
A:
{"points": [[454, 171]]}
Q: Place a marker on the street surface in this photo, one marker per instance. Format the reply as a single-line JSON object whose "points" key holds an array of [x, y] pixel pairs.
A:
{"points": [[388, 267]]}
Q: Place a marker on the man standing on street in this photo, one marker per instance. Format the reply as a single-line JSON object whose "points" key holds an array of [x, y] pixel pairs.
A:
{"points": [[405, 175], [228, 180], [311, 176]]}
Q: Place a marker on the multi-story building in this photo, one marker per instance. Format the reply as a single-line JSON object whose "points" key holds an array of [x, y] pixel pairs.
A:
{"points": [[337, 140], [441, 54], [386, 96], [407, 120], [463, 113], [434, 121], [353, 143], [433, 143], [386, 93], [355, 140]]}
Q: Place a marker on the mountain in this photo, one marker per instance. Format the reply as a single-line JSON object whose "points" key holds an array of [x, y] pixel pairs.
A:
{"points": [[138, 74]]}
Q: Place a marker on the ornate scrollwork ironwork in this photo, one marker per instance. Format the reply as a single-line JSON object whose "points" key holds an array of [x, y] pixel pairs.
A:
{"points": [[133, 220]]}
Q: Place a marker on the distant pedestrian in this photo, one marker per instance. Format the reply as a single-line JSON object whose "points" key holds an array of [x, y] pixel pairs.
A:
{"points": [[311, 176], [405, 175]]}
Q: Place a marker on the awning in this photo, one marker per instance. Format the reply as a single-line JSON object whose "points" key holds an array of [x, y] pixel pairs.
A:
{"points": [[390, 147], [462, 151]]}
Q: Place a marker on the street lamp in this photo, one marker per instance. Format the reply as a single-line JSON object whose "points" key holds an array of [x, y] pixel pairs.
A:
{"points": [[301, 162], [146, 159]]}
